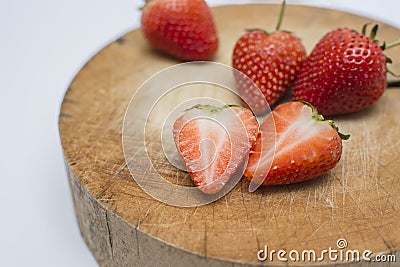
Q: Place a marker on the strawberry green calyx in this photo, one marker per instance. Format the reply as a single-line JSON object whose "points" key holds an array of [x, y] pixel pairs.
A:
{"points": [[258, 29], [388, 59], [319, 117], [211, 109], [341, 135], [364, 28], [384, 46], [373, 32]]}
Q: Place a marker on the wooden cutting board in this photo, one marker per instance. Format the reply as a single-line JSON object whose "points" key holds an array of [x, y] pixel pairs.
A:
{"points": [[357, 201]]}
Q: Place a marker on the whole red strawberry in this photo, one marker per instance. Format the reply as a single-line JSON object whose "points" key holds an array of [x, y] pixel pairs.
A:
{"points": [[345, 72], [213, 142], [181, 28], [270, 60], [296, 144]]}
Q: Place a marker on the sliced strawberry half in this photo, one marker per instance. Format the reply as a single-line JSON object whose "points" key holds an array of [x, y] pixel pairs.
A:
{"points": [[296, 144], [213, 142]]}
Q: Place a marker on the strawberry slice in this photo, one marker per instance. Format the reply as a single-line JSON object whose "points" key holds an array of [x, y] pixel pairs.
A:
{"points": [[213, 142], [296, 144]]}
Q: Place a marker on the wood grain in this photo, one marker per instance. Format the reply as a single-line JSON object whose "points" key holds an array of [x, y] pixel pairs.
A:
{"points": [[123, 226]]}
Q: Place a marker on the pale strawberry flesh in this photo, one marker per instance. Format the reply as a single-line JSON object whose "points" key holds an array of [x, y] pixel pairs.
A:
{"points": [[213, 144], [293, 147]]}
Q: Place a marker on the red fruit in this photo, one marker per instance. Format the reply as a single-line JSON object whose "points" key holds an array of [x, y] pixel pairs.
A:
{"points": [[296, 144], [345, 72], [271, 61], [182, 28], [213, 142]]}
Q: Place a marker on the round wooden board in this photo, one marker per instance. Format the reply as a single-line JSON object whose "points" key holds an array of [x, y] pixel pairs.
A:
{"points": [[123, 226]]}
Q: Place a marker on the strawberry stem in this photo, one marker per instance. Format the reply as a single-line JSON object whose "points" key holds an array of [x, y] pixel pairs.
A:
{"points": [[281, 14], [394, 44], [392, 73]]}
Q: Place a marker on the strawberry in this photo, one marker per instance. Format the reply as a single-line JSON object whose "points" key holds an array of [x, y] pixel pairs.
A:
{"points": [[296, 144], [270, 60], [345, 72], [213, 142], [181, 28]]}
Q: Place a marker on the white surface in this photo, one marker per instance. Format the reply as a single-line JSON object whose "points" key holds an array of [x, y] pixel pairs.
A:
{"points": [[43, 45]]}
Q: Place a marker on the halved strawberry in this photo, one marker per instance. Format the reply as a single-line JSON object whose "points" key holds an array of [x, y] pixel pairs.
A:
{"points": [[213, 142], [295, 144]]}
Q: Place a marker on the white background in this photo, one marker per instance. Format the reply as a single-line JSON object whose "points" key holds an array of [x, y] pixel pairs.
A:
{"points": [[43, 44]]}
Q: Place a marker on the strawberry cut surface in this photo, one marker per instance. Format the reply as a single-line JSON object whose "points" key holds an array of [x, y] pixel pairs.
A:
{"points": [[294, 145], [213, 142]]}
